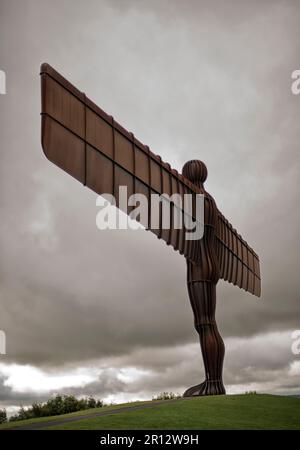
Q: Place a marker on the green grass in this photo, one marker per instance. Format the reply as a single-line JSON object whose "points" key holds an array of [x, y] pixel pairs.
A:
{"points": [[19, 423], [220, 413]]}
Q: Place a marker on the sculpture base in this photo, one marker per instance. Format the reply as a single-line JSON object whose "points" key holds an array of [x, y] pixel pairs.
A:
{"points": [[208, 387]]}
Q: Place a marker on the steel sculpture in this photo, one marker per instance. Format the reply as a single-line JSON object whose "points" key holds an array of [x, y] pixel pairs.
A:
{"points": [[90, 145]]}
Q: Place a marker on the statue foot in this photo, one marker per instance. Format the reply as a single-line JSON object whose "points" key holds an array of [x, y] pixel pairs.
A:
{"points": [[208, 387]]}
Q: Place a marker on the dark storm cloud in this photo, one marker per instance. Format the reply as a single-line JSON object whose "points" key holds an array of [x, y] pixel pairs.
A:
{"points": [[263, 363], [192, 80]]}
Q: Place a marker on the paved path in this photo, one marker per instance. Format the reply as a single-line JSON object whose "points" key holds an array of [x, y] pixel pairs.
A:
{"points": [[51, 423]]}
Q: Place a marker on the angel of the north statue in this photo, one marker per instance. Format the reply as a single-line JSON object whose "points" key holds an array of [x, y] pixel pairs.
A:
{"points": [[90, 145]]}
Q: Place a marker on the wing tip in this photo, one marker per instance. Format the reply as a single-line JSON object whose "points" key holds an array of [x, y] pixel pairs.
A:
{"points": [[45, 68]]}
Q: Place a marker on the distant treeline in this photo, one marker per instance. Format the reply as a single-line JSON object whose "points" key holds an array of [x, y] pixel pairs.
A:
{"points": [[64, 404], [55, 406], [166, 396]]}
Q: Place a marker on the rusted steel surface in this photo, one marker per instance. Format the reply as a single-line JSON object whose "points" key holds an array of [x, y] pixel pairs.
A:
{"points": [[238, 262], [202, 276], [90, 145]]}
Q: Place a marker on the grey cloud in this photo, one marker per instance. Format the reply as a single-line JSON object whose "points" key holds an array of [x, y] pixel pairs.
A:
{"points": [[201, 80], [262, 363], [8, 397]]}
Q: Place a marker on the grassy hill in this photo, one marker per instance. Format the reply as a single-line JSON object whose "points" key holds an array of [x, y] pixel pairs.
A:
{"points": [[219, 412]]}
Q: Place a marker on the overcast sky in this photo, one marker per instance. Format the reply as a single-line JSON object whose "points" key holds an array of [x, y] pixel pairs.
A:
{"points": [[107, 312]]}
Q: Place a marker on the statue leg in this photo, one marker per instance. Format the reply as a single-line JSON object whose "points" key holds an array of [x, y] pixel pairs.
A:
{"points": [[203, 301]]}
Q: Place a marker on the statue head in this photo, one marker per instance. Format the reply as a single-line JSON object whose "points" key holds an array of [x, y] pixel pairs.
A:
{"points": [[195, 171]]}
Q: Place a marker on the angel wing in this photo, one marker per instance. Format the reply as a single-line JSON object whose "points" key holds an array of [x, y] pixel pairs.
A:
{"points": [[238, 262], [80, 138]]}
